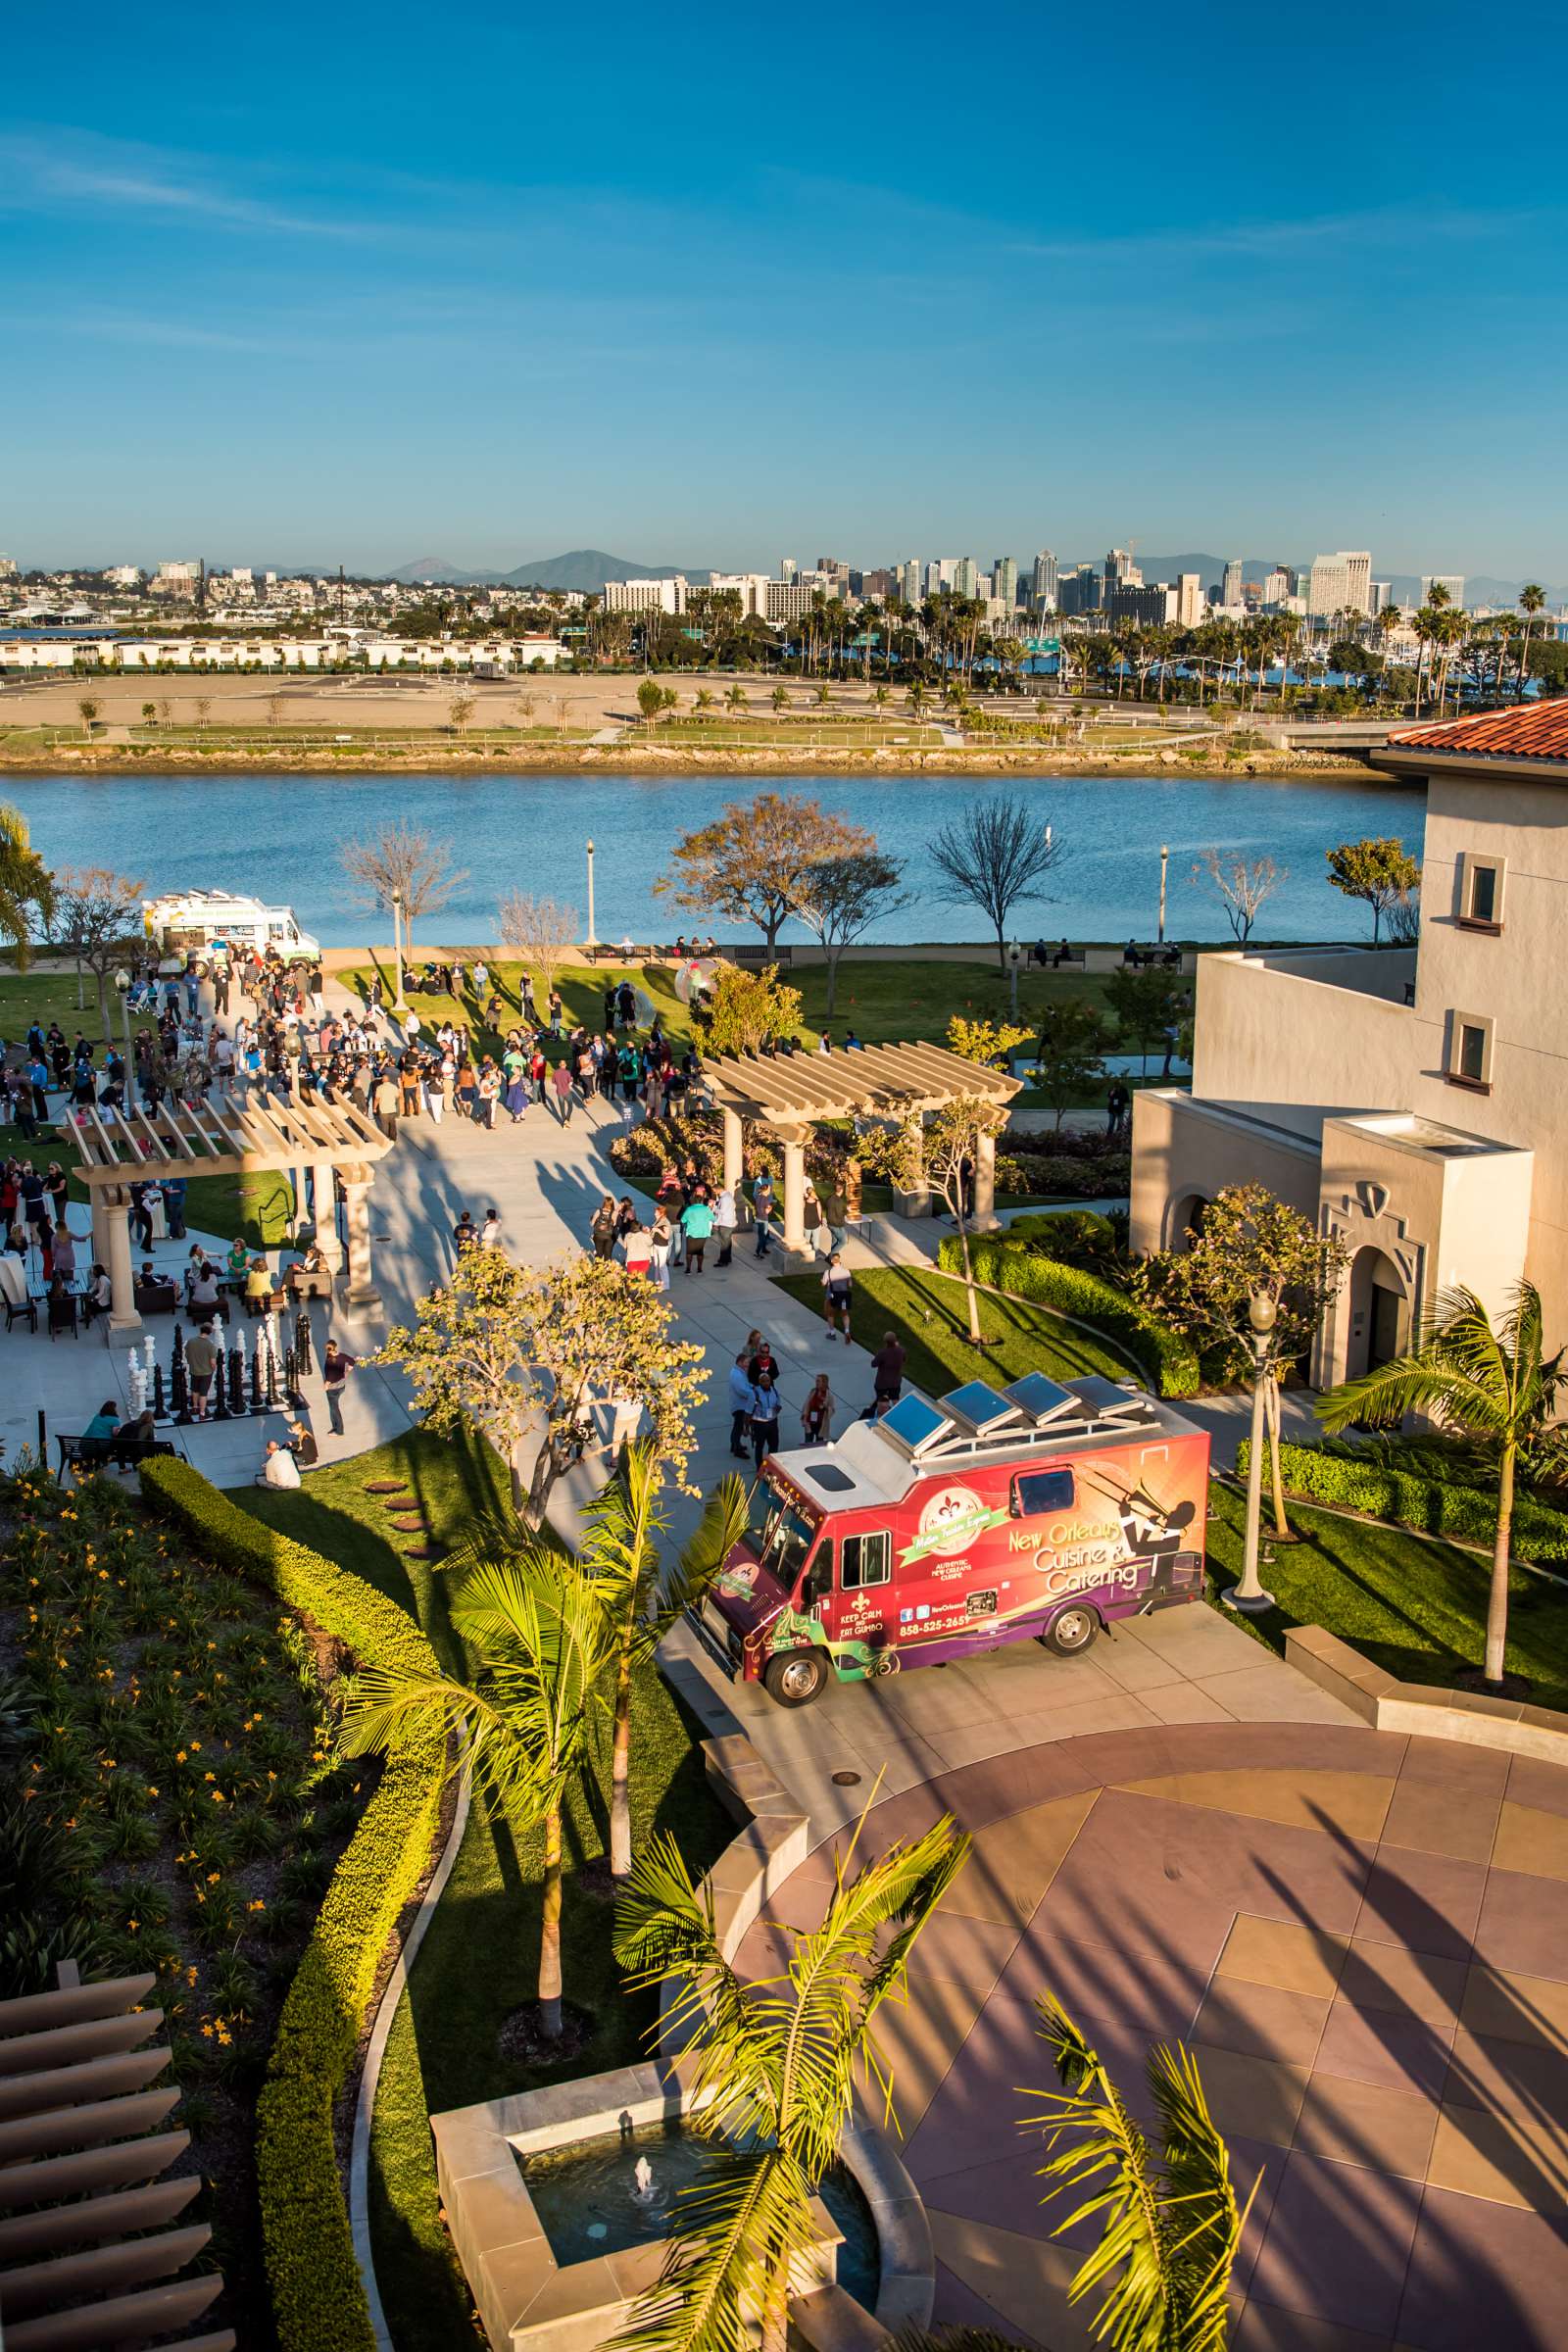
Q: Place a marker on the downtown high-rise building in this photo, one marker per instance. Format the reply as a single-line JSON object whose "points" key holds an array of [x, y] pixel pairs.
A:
{"points": [[1340, 583], [1453, 581], [1044, 580], [1121, 572], [1192, 606], [1276, 585], [1005, 581], [1230, 587], [965, 576], [910, 580]]}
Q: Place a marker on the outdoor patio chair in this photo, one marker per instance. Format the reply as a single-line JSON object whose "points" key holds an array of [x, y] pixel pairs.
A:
{"points": [[63, 1317]]}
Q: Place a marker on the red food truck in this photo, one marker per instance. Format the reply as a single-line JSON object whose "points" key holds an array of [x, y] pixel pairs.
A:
{"points": [[1035, 1512]]}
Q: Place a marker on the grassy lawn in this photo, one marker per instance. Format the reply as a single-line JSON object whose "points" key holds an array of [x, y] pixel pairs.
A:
{"points": [[1414, 1604], [45, 996], [929, 1314], [477, 1963], [882, 1002]]}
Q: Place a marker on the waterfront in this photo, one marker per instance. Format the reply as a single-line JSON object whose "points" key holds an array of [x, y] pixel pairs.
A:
{"points": [[279, 835]]}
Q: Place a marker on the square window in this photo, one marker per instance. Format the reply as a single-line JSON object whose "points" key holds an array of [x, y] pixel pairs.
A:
{"points": [[1470, 1050], [1035, 1490], [865, 1561]]}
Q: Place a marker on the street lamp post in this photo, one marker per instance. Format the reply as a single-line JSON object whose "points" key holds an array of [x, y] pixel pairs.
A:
{"points": [[122, 984], [592, 940], [1013, 975], [1249, 1596], [399, 1003], [1164, 861]]}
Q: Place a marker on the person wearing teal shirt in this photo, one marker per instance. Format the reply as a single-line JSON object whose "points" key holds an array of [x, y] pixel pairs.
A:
{"points": [[696, 1223]]}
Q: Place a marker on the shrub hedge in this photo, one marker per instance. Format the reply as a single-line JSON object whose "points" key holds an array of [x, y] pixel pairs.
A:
{"points": [[319, 2302], [1409, 1498], [1166, 1357]]}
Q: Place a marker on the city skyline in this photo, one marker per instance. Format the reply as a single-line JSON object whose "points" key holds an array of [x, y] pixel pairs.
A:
{"points": [[332, 297]]}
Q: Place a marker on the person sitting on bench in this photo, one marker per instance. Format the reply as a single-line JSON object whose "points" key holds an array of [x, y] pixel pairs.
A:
{"points": [[100, 1430]]}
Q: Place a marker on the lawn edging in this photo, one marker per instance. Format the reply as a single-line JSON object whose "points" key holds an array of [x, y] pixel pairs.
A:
{"points": [[1163, 1356], [1426, 1710], [1429, 1506], [319, 2296]]}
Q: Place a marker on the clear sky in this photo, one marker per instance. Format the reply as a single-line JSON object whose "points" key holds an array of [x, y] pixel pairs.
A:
{"points": [[711, 284]]}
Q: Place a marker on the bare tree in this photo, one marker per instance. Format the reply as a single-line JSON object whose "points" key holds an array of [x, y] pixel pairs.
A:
{"points": [[1244, 885], [839, 898], [275, 710], [539, 933], [458, 713], [98, 921], [403, 860], [204, 709], [997, 853]]}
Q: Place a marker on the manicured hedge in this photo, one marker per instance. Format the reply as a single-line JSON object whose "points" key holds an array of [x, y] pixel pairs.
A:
{"points": [[1165, 1357], [319, 2302], [1469, 1514], [1075, 1235]]}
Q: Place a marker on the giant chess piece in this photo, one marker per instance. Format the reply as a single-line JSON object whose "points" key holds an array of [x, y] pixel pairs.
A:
{"points": [[160, 1406], [303, 1342], [236, 1383], [257, 1404]]}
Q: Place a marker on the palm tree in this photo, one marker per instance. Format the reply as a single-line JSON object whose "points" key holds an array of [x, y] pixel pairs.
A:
{"points": [[26, 883], [543, 1640], [705, 700], [1532, 600], [1495, 1384], [779, 698], [736, 697], [626, 1526], [1171, 2225], [774, 2071]]}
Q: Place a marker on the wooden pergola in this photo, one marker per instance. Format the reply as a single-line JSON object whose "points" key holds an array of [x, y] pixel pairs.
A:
{"points": [[790, 1091], [328, 1141]]}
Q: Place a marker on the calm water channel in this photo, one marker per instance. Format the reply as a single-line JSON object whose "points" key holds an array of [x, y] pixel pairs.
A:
{"points": [[278, 835]]}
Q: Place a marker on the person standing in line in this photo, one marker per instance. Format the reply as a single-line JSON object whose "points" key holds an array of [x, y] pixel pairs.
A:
{"points": [[766, 1406], [560, 1081], [762, 1210], [602, 1232], [335, 1370], [557, 1008], [489, 1095], [695, 1223], [724, 1225], [659, 1244], [838, 1291], [740, 1403], [386, 1101], [636, 1247], [815, 1221], [887, 1373], [816, 1414]]}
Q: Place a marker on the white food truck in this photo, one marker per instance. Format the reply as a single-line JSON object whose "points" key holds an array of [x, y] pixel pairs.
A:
{"points": [[219, 922]]}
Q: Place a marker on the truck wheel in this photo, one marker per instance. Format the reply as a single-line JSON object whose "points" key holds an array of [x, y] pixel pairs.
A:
{"points": [[1072, 1633], [796, 1678]]}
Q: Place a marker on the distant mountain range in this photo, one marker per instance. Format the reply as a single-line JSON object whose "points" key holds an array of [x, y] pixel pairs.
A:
{"points": [[583, 568]]}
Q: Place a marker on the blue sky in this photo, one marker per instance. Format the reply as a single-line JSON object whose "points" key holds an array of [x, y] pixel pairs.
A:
{"points": [[712, 285]]}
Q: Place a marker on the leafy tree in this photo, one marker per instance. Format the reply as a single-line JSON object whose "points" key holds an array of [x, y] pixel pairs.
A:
{"points": [[1376, 871], [987, 1042], [149, 711], [841, 898], [952, 1142], [1170, 2225], [1245, 885], [745, 1010], [401, 860], [26, 887], [1150, 1007], [626, 1530], [502, 1348], [754, 863], [996, 854], [1070, 1052], [87, 710], [773, 2072], [650, 700], [1492, 1382], [1251, 1242], [543, 1640], [539, 933], [98, 921]]}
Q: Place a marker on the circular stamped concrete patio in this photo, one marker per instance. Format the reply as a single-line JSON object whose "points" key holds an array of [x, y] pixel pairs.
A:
{"points": [[1363, 1939]]}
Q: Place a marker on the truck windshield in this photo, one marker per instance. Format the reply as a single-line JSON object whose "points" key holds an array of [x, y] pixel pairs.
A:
{"points": [[780, 1535]]}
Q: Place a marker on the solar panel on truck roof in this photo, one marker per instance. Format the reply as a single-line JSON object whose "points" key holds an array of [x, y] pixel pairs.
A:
{"points": [[979, 1404], [914, 1422], [1040, 1398]]}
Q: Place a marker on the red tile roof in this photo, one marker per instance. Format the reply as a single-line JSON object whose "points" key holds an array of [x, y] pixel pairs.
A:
{"points": [[1530, 731]]}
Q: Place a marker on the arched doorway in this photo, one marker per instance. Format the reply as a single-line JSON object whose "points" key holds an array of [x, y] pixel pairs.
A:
{"points": [[1187, 1213], [1380, 1312]]}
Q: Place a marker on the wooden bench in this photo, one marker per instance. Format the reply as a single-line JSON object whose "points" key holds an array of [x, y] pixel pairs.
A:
{"points": [[94, 1453]]}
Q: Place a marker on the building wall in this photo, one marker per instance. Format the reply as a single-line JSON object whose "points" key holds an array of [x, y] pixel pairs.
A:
{"points": [[1185, 1150], [1267, 1034]]}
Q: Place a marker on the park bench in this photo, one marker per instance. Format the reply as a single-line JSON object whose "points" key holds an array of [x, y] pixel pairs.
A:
{"points": [[97, 1453], [1058, 959]]}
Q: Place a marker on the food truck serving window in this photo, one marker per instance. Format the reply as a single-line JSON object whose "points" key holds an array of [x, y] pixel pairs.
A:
{"points": [[1035, 1490], [865, 1561]]}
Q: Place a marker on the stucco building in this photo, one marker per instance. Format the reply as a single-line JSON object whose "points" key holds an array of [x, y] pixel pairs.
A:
{"points": [[1413, 1101]]}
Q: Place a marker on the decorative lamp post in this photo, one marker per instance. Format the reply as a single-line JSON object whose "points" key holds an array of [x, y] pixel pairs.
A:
{"points": [[399, 1004], [123, 986], [1249, 1596], [1164, 861], [1013, 954], [592, 938]]}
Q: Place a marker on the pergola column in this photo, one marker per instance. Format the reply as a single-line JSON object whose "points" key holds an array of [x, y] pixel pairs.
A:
{"points": [[361, 1290], [100, 1226], [984, 1217], [794, 1195], [734, 1151], [323, 1186], [124, 1320]]}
